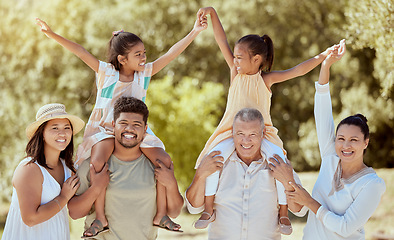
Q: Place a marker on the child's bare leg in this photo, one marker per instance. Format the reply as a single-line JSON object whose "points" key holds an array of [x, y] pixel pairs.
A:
{"points": [[284, 213], [284, 220], [209, 200], [154, 154], [100, 154], [208, 215]]}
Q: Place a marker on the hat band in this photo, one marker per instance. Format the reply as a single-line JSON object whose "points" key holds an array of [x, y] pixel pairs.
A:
{"points": [[51, 115]]}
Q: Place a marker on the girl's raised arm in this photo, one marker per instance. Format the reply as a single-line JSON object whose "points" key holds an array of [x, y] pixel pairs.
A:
{"points": [[220, 35], [333, 57], [73, 47], [179, 47], [299, 70]]}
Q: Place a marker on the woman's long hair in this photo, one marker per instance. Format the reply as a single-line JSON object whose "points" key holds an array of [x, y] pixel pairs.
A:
{"points": [[35, 150]]}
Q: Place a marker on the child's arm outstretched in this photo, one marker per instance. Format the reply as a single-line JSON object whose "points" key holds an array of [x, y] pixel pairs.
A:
{"points": [[301, 69], [220, 35], [329, 60], [179, 47], [73, 47], [300, 195]]}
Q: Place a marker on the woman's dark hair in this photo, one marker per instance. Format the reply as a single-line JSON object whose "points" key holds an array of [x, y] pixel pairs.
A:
{"points": [[35, 150], [358, 120], [120, 44], [262, 46]]}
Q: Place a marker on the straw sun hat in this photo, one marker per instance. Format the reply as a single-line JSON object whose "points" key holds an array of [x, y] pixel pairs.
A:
{"points": [[53, 111]]}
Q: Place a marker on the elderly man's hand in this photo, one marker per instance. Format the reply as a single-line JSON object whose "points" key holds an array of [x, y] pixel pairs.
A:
{"points": [[165, 175], [281, 170], [210, 164]]}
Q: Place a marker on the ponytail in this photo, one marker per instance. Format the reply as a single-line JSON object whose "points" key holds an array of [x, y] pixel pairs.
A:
{"points": [[262, 46], [270, 53]]}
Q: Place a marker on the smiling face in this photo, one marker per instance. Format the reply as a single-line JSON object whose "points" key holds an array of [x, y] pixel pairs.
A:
{"points": [[350, 143], [135, 59], [247, 139], [244, 63], [129, 129], [57, 134]]}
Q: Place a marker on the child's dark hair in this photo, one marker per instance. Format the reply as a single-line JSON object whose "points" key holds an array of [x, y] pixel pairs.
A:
{"points": [[120, 44], [130, 105], [262, 46]]}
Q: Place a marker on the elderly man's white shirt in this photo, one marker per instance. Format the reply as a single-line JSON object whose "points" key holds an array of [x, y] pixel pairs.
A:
{"points": [[246, 201]]}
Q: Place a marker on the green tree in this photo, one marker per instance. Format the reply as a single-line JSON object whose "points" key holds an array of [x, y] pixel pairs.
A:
{"points": [[183, 117], [371, 25]]}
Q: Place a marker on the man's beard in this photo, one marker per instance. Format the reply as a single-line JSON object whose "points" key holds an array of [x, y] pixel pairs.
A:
{"points": [[131, 145], [128, 145]]}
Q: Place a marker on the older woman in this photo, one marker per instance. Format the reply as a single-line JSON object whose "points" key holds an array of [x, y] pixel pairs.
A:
{"points": [[346, 192], [42, 182]]}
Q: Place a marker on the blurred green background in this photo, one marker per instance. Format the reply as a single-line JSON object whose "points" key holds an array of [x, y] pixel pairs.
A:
{"points": [[187, 98]]}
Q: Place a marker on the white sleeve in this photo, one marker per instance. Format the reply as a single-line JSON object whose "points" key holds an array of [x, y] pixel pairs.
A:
{"points": [[358, 212], [324, 121], [191, 209], [304, 209]]}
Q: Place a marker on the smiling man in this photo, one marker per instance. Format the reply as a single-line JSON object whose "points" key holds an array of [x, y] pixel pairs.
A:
{"points": [[130, 200], [246, 202]]}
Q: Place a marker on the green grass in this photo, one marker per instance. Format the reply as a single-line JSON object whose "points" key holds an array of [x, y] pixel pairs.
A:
{"points": [[381, 221]]}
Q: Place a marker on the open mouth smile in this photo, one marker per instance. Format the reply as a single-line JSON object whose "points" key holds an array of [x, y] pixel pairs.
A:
{"points": [[129, 136], [347, 153], [246, 147]]}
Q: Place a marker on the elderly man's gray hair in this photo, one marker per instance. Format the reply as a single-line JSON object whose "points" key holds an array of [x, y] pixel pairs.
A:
{"points": [[250, 114]]}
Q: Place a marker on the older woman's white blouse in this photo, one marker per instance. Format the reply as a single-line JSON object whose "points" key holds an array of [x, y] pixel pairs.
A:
{"points": [[346, 204]]}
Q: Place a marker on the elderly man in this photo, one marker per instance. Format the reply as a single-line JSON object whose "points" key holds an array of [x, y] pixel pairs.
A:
{"points": [[246, 200], [130, 201]]}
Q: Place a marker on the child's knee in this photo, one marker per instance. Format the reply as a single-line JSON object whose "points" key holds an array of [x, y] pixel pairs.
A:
{"points": [[166, 159], [157, 154], [98, 163]]}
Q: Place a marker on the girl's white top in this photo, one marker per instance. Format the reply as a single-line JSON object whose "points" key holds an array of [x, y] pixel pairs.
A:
{"points": [[346, 204], [55, 228]]}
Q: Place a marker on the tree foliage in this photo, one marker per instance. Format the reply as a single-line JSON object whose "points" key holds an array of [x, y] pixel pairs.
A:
{"points": [[183, 117], [187, 98], [371, 25]]}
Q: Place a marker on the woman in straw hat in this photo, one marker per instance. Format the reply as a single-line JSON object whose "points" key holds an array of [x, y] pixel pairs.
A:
{"points": [[42, 182]]}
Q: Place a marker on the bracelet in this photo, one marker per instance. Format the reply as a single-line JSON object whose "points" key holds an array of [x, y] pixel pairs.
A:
{"points": [[60, 208]]}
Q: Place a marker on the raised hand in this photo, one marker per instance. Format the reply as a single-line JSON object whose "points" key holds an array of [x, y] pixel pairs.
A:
{"points": [[342, 47], [203, 12], [44, 27], [201, 23], [331, 49], [336, 54]]}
